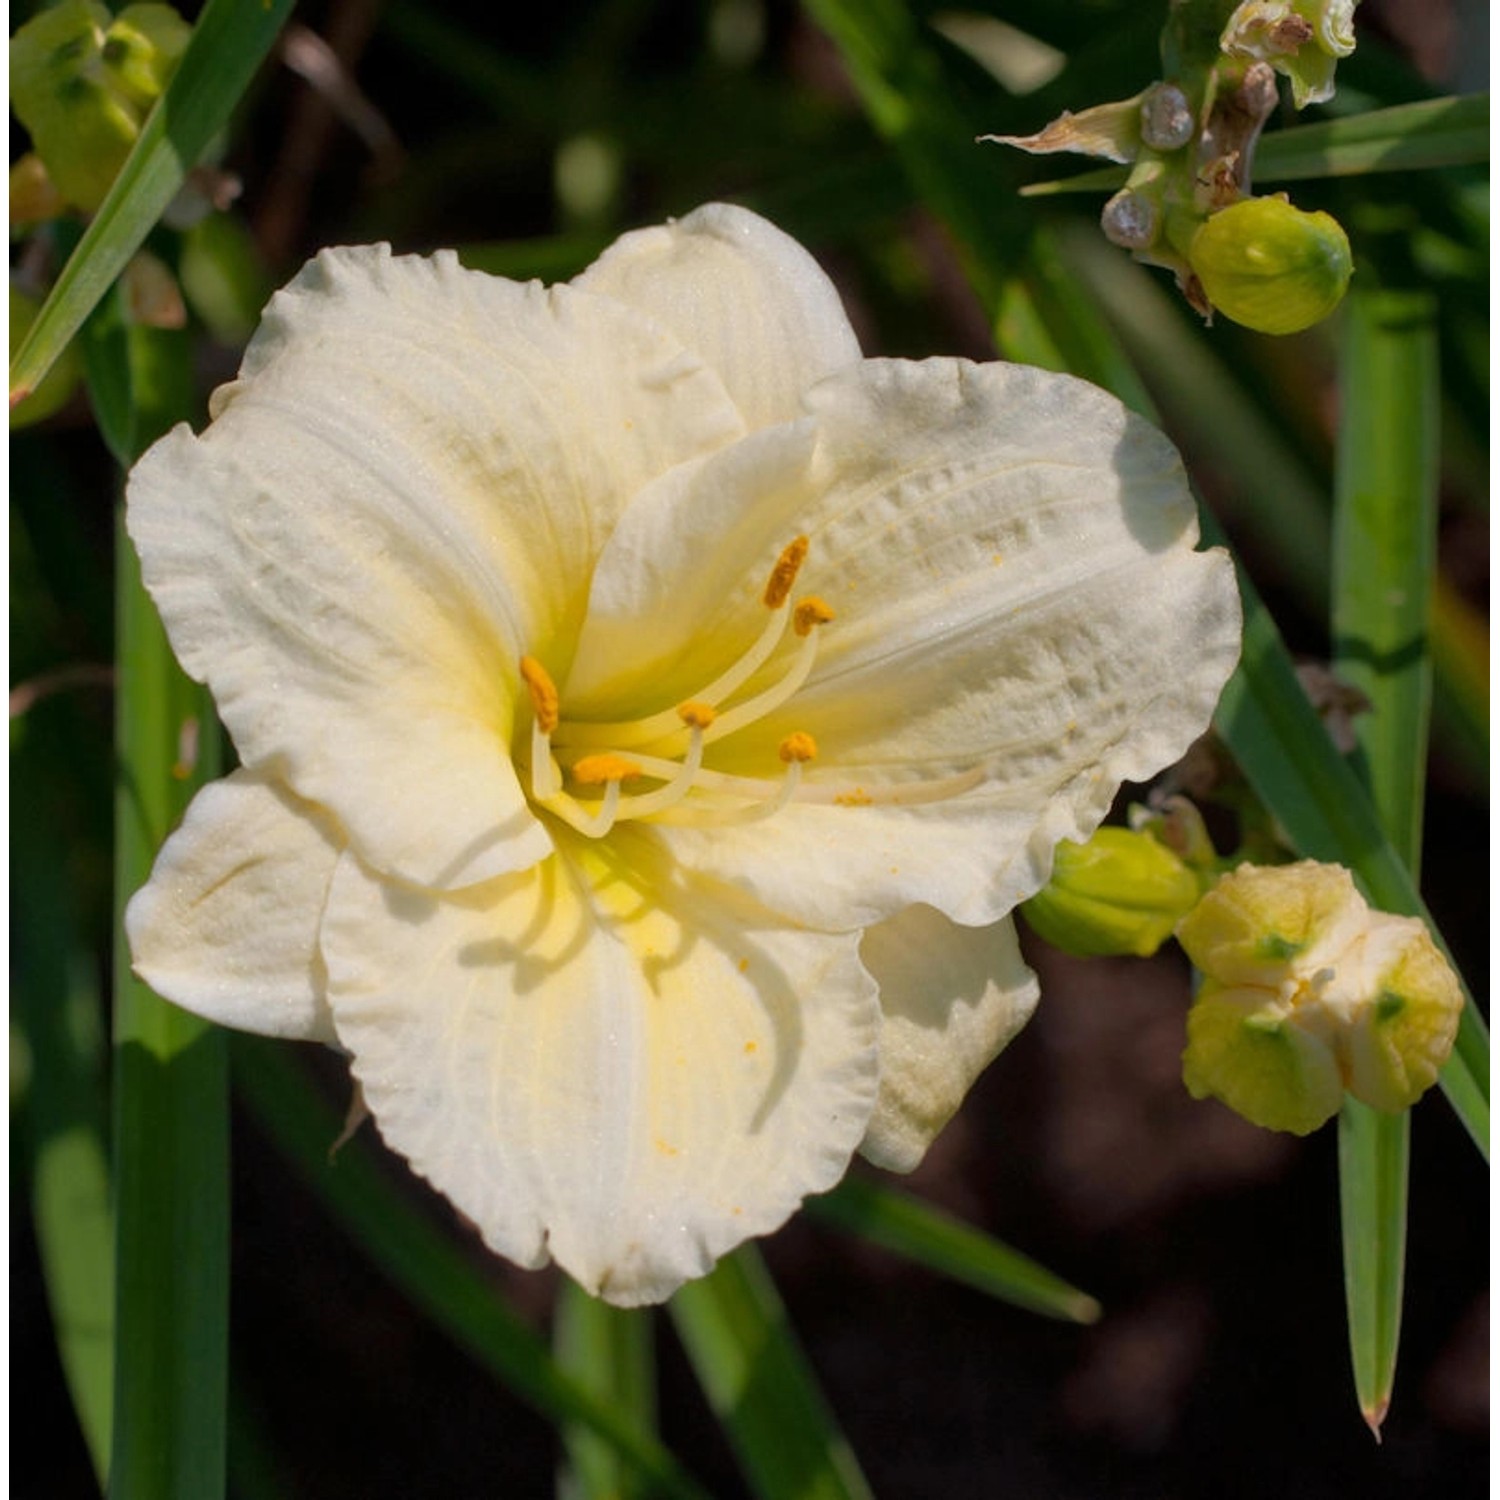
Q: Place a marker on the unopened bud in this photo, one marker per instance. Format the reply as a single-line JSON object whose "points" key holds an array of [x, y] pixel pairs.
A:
{"points": [[82, 82], [1120, 893], [1307, 992], [1270, 266]]}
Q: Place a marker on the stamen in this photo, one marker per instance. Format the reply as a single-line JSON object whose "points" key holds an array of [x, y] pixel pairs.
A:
{"points": [[607, 771], [676, 739], [774, 696], [591, 825], [809, 613], [628, 733], [798, 747], [544, 699], [678, 781], [795, 751], [696, 715], [546, 781], [784, 574], [600, 770]]}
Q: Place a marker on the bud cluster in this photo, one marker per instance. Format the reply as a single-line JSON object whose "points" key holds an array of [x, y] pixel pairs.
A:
{"points": [[1190, 143]]}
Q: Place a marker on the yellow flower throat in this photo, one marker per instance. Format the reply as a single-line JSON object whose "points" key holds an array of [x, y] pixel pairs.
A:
{"points": [[572, 758]]}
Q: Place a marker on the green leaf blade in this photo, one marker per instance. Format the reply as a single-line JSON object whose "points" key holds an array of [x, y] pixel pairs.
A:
{"points": [[609, 1351], [1385, 546], [758, 1382], [171, 1128], [1384, 556], [914, 1229], [1374, 1162]]}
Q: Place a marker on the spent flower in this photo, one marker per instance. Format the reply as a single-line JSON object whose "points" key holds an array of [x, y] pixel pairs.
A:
{"points": [[649, 713], [1307, 992], [1302, 39]]}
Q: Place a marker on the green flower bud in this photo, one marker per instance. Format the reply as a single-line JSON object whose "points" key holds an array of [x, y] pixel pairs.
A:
{"points": [[1308, 993], [82, 82], [1270, 266], [60, 381], [1122, 892]]}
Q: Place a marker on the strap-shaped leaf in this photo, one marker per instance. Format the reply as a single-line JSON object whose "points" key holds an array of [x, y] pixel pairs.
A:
{"points": [[171, 1127], [1384, 557], [931, 1238], [746, 1357]]}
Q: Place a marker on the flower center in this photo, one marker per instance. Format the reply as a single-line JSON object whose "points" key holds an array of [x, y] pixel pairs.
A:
{"points": [[579, 767]]}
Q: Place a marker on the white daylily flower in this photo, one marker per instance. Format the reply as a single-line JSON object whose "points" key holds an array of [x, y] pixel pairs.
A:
{"points": [[649, 713]]}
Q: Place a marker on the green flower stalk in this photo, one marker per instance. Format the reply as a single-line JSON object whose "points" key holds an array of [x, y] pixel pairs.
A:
{"points": [[1122, 892], [1307, 993], [82, 82]]}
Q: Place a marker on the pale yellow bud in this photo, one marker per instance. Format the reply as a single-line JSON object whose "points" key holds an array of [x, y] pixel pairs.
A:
{"points": [[1307, 992]]}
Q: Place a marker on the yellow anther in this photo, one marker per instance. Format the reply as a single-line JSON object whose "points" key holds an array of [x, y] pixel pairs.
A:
{"points": [[798, 747], [597, 770], [544, 700], [810, 612], [696, 715], [784, 574]]}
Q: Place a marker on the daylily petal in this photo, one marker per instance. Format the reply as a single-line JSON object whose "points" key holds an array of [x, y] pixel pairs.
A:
{"points": [[736, 290], [404, 490], [1009, 558], [650, 619], [950, 999], [602, 1061], [227, 927]]}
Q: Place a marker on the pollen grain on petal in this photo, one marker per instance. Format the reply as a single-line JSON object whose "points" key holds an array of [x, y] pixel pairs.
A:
{"points": [[544, 699], [800, 747], [696, 715], [598, 770], [810, 613], [784, 574]]}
